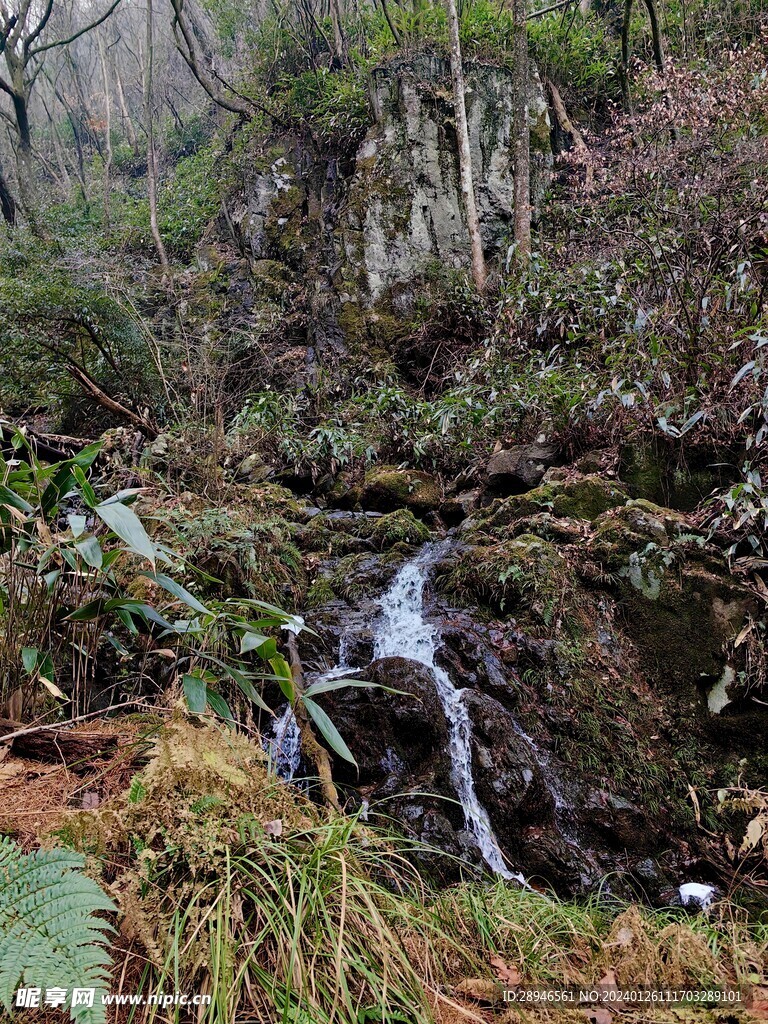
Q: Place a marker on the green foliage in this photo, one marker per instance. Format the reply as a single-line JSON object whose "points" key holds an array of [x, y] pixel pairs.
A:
{"points": [[190, 197], [581, 55], [58, 319], [50, 934], [332, 105]]}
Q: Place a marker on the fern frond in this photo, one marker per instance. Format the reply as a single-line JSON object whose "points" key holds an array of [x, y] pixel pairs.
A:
{"points": [[50, 935]]}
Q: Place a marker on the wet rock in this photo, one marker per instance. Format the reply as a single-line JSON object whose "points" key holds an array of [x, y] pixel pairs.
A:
{"points": [[621, 824], [400, 741], [387, 489], [253, 470], [519, 469], [508, 779], [480, 657]]}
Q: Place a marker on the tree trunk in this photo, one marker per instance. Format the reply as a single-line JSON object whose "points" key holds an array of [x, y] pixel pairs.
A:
{"points": [[149, 115], [479, 270], [108, 129], [624, 66], [127, 121], [521, 148], [75, 749], [7, 202], [25, 166], [339, 42], [658, 48], [570, 129], [312, 749]]}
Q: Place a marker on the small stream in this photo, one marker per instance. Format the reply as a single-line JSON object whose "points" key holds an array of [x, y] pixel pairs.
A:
{"points": [[403, 632]]}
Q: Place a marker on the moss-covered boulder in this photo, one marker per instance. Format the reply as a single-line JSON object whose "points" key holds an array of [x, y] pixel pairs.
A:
{"points": [[683, 606], [677, 475], [399, 527], [585, 497], [386, 489], [501, 576]]}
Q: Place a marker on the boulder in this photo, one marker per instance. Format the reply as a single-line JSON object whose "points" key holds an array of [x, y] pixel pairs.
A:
{"points": [[508, 778], [387, 489], [253, 470], [519, 469], [676, 474], [581, 497], [683, 606], [400, 740]]}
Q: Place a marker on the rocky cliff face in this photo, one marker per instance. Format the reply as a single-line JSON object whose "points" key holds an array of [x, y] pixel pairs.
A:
{"points": [[367, 229], [405, 207]]}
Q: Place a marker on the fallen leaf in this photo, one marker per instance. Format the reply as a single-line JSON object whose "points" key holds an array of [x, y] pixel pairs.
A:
{"points": [[608, 986], [52, 687], [757, 1002], [509, 976], [90, 801], [598, 1015], [482, 990]]}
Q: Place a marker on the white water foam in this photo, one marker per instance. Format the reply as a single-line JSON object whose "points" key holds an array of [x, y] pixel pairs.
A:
{"points": [[403, 632], [284, 747]]}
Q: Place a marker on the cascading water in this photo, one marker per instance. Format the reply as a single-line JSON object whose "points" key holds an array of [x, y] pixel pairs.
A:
{"points": [[284, 747], [403, 632]]}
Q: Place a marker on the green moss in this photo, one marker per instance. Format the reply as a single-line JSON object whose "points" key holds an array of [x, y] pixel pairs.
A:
{"points": [[396, 527], [504, 575], [584, 498], [321, 592], [386, 489]]}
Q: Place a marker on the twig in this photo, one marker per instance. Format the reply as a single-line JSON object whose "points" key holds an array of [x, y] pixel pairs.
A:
{"points": [[60, 726]]}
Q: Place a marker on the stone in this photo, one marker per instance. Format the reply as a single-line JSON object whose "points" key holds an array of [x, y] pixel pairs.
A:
{"points": [[456, 509], [253, 470], [386, 489], [519, 469], [682, 604], [400, 740], [663, 474], [405, 208], [579, 498]]}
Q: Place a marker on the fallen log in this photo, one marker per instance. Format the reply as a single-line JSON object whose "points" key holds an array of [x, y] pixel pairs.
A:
{"points": [[58, 745]]}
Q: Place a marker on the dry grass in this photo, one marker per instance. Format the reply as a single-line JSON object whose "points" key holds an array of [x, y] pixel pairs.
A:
{"points": [[36, 797]]}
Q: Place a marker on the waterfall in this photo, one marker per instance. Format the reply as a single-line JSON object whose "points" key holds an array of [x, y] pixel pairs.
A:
{"points": [[284, 746], [403, 632]]}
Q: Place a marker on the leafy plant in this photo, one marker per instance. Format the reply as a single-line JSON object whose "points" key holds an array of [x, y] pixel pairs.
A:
{"points": [[50, 934]]}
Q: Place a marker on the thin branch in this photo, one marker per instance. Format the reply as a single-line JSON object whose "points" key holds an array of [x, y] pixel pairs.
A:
{"points": [[548, 10], [76, 35]]}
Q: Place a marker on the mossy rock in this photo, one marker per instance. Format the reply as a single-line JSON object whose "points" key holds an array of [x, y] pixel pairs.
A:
{"points": [[399, 527], [271, 280], [622, 532], [583, 498], [657, 472], [682, 604], [526, 570], [387, 489], [273, 499]]}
